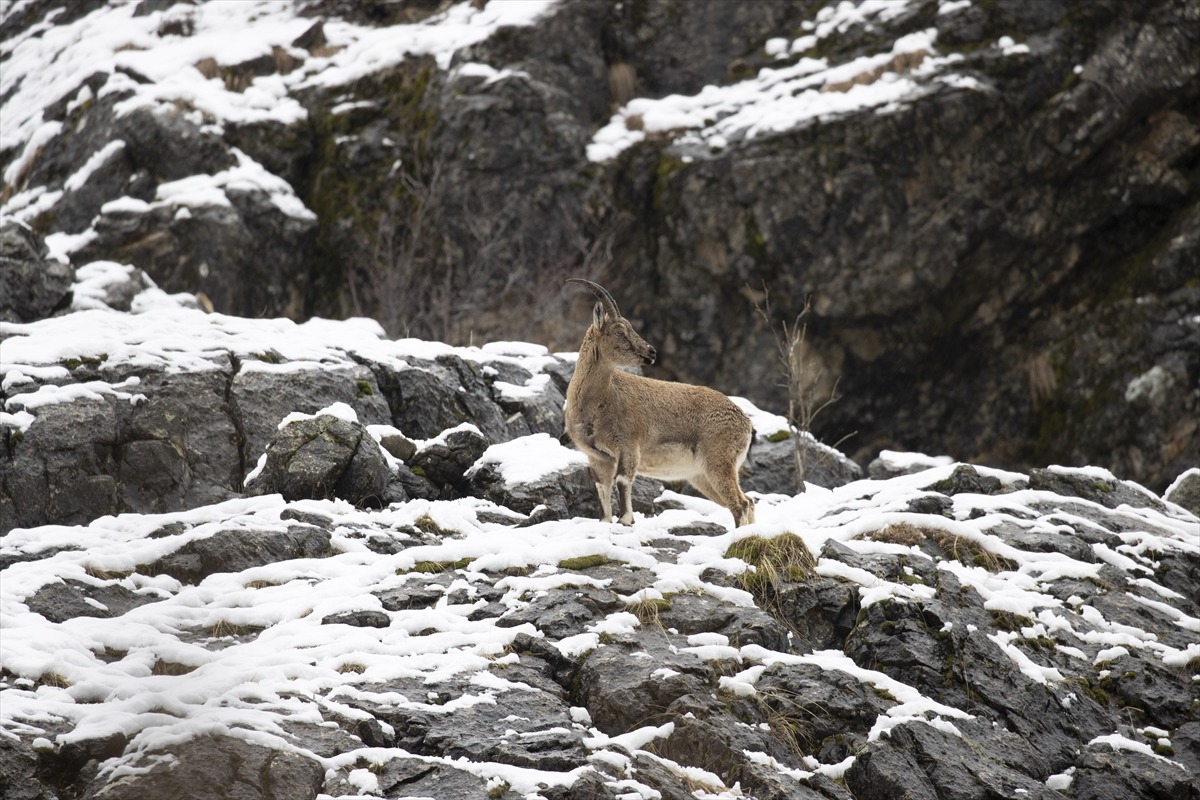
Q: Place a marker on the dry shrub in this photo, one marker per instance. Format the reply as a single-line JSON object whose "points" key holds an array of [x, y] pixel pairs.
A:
{"points": [[170, 668], [325, 51], [635, 122], [902, 533], [209, 68], [224, 628], [968, 551], [285, 62], [357, 669], [648, 609], [1043, 383], [622, 83]]}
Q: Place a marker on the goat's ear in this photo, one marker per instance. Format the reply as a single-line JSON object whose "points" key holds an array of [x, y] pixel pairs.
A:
{"points": [[598, 315]]}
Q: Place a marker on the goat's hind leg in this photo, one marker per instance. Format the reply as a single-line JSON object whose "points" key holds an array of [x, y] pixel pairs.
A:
{"points": [[721, 486]]}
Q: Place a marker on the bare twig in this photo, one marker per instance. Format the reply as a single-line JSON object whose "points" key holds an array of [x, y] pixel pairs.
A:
{"points": [[801, 378]]}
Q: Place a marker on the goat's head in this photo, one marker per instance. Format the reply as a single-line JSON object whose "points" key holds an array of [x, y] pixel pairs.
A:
{"points": [[614, 337]]}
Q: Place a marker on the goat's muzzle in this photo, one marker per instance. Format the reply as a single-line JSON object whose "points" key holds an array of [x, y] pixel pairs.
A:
{"points": [[649, 359]]}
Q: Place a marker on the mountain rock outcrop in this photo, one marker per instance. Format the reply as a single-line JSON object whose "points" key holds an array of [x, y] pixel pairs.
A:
{"points": [[992, 206], [166, 408]]}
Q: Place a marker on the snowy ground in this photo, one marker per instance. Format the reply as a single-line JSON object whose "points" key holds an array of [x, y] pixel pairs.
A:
{"points": [[93, 677]]}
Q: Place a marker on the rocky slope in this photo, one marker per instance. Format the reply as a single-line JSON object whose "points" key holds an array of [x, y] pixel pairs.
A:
{"points": [[263, 559], [991, 204], [951, 633], [162, 407]]}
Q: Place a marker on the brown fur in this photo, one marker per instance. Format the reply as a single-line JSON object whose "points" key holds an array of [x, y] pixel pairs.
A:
{"points": [[629, 425]]}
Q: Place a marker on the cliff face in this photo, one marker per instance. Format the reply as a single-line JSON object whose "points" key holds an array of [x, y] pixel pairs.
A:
{"points": [[993, 205]]}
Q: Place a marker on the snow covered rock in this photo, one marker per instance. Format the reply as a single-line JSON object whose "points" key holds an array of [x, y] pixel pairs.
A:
{"points": [[446, 459], [101, 439], [32, 286], [771, 467], [1185, 491], [1098, 485], [999, 642], [216, 766], [323, 457], [537, 475]]}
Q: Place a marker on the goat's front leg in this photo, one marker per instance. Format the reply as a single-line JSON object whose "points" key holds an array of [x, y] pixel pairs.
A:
{"points": [[603, 471], [626, 472]]}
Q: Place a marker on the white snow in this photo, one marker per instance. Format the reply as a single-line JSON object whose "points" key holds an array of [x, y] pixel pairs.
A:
{"points": [[97, 160], [339, 410], [529, 458], [240, 685], [1119, 742], [899, 460], [209, 190], [951, 6], [780, 99]]}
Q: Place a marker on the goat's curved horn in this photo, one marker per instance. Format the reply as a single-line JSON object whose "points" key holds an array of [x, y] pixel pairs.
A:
{"points": [[610, 305]]}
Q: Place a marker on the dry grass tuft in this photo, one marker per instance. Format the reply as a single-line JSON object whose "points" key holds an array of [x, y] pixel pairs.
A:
{"points": [[52, 678], [260, 584], [969, 552], [783, 558], [648, 609], [170, 668], [106, 575], [209, 68], [357, 669], [902, 533], [225, 628], [325, 51], [622, 83]]}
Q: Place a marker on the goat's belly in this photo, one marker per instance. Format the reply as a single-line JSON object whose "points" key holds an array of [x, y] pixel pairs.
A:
{"points": [[671, 463]]}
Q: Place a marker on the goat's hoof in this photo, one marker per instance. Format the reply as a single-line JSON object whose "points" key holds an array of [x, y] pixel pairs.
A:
{"points": [[626, 521]]}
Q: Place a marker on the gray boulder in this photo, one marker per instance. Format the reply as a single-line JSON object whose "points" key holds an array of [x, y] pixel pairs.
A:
{"points": [[428, 397], [165, 442], [266, 389], [237, 550], [58, 602], [771, 467], [1106, 492], [445, 462], [31, 286], [566, 493], [1185, 491], [322, 458], [218, 766]]}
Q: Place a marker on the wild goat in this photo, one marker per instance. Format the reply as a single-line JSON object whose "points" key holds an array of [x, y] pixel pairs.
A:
{"points": [[630, 425]]}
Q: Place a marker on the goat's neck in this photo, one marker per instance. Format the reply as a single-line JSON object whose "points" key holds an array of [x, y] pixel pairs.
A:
{"points": [[593, 375]]}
